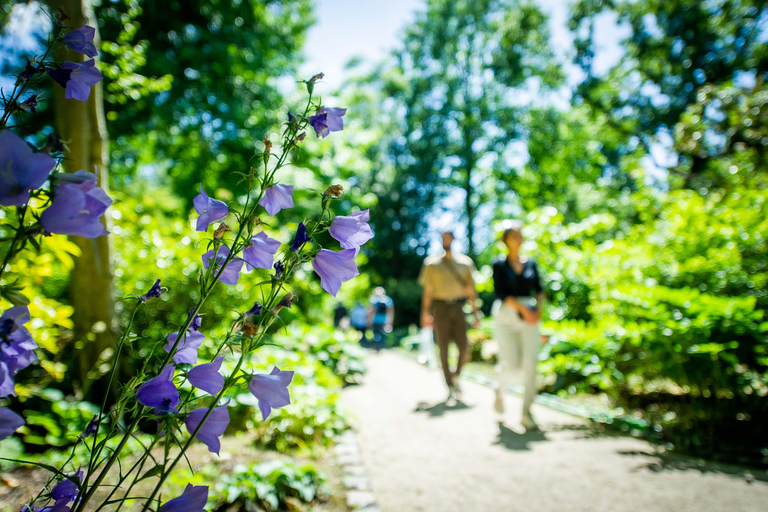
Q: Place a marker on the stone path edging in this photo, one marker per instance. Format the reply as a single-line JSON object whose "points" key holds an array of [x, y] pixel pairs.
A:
{"points": [[354, 474]]}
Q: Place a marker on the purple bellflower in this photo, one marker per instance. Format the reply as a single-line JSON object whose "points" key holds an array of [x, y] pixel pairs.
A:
{"points": [[186, 350], [335, 268], [77, 78], [255, 310], [81, 40], [279, 269], [271, 390], [231, 272], [352, 231], [196, 322], [77, 209], [29, 71], [91, 428], [261, 252], [66, 489], [301, 237], [207, 377], [160, 392], [21, 170], [327, 120], [209, 210], [276, 198], [193, 499], [17, 348], [9, 422], [212, 429], [153, 292]]}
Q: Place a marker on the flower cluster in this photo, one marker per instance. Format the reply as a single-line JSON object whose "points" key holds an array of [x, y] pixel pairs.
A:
{"points": [[174, 389], [77, 204]]}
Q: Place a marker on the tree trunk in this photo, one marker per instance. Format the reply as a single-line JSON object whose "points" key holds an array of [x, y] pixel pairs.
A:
{"points": [[83, 128]]}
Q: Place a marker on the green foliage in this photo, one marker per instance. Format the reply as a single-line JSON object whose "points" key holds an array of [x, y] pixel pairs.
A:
{"points": [[274, 485], [200, 114], [314, 418], [52, 421], [336, 350]]}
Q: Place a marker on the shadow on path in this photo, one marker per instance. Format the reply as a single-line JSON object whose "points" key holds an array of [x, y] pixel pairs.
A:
{"points": [[439, 409], [511, 440], [671, 461]]}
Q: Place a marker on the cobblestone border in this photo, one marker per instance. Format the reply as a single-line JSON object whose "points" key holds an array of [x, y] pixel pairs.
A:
{"points": [[354, 474]]}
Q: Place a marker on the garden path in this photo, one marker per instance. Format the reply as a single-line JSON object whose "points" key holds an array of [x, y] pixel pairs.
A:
{"points": [[422, 455]]}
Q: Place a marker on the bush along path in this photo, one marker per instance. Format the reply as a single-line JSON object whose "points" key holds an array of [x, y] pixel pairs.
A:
{"points": [[423, 454]]}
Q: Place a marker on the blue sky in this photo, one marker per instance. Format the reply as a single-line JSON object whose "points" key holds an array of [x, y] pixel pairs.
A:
{"points": [[370, 28]]}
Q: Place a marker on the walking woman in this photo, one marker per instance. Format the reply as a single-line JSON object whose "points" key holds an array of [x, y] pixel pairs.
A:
{"points": [[517, 313]]}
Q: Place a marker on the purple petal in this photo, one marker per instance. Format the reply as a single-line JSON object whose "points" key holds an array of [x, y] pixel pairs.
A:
{"points": [[276, 198], [353, 230], [21, 170], [193, 499], [214, 426], [76, 210], [335, 268], [186, 350], [271, 390], [207, 377], [231, 273], [261, 252], [210, 210], [9, 422], [159, 392]]}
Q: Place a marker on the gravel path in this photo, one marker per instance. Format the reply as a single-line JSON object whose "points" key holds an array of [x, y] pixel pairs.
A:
{"points": [[422, 455]]}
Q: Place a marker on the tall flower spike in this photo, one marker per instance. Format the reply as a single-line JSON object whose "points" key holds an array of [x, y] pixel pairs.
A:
{"points": [[335, 268], [193, 499], [271, 390], [212, 429], [77, 209], [261, 252], [276, 198], [21, 170], [231, 273], [160, 393], [353, 230], [301, 237], [209, 210], [207, 377]]}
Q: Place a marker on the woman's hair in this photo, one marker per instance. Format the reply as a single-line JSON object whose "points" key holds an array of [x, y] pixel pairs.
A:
{"points": [[509, 226]]}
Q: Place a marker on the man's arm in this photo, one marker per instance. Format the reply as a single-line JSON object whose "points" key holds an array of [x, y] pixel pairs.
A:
{"points": [[426, 306]]}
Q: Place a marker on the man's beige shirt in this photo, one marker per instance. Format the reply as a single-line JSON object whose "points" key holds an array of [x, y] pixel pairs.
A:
{"points": [[437, 272]]}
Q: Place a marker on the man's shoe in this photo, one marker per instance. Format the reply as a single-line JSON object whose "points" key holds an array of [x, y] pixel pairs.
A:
{"points": [[499, 403]]}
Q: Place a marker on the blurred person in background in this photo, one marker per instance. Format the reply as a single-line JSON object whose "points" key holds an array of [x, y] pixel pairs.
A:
{"points": [[448, 284], [339, 316], [380, 316], [517, 315], [358, 318]]}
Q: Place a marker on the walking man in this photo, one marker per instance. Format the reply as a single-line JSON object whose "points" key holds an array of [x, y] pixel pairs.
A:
{"points": [[448, 284]]}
